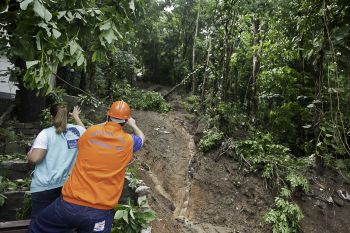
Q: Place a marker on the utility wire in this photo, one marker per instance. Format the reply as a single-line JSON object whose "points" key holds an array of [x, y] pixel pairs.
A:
{"points": [[85, 92]]}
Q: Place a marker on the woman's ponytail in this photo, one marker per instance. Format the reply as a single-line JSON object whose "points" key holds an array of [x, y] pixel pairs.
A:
{"points": [[59, 117]]}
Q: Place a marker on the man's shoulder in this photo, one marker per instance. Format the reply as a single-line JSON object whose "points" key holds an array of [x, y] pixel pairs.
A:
{"points": [[95, 127]]}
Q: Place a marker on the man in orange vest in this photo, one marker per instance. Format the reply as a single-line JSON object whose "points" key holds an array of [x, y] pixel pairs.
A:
{"points": [[96, 181]]}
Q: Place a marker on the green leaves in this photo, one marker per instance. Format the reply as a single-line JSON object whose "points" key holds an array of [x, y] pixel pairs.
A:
{"points": [[132, 218], [23, 5], [138, 99], [31, 63], [81, 59], [3, 5], [60, 14], [3, 187], [285, 193], [39, 9], [109, 32], [11, 185], [76, 54], [210, 140], [106, 25], [46, 27], [109, 36], [56, 33], [132, 5], [306, 126], [73, 47], [2, 199], [275, 161], [122, 214], [48, 33], [38, 42], [280, 167], [285, 215], [47, 15], [298, 181]]}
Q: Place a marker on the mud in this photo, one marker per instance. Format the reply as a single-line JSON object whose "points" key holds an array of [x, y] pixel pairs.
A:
{"points": [[192, 192]]}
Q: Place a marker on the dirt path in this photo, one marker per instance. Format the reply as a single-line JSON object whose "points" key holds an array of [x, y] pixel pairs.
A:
{"points": [[166, 157]]}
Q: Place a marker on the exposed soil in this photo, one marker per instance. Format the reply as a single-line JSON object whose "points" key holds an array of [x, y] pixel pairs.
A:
{"points": [[191, 192], [324, 211]]}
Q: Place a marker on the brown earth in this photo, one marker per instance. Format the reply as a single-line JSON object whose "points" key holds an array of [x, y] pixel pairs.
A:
{"points": [[192, 192]]}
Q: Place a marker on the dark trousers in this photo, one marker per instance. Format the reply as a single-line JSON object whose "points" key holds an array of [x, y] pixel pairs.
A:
{"points": [[62, 216], [40, 200]]}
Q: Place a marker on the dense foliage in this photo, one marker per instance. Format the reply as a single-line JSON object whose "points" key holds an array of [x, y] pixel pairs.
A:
{"points": [[47, 34], [276, 70], [210, 139]]}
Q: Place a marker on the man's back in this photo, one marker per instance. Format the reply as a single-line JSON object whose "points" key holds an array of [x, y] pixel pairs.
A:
{"points": [[97, 178]]}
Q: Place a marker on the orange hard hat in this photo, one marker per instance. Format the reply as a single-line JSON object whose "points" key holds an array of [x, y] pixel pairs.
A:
{"points": [[120, 110]]}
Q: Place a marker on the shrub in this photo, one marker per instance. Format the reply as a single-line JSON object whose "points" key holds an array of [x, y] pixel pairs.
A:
{"points": [[89, 101], [273, 159], [210, 140], [192, 103], [7, 134], [281, 167], [45, 118], [25, 211], [132, 218], [56, 95], [11, 185], [3, 186], [285, 215], [227, 117], [139, 99]]}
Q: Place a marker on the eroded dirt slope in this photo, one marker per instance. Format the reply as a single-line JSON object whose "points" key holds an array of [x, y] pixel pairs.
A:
{"points": [[192, 192]]}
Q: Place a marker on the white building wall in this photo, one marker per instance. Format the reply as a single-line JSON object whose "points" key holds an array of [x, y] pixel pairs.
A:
{"points": [[7, 87]]}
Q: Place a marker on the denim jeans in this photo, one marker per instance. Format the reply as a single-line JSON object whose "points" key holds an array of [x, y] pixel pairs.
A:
{"points": [[40, 200], [62, 216]]}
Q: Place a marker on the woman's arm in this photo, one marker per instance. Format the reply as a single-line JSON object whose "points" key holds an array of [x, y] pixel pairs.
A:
{"points": [[39, 148], [35, 155], [75, 113]]}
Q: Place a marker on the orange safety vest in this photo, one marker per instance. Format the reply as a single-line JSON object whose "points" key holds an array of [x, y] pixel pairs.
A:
{"points": [[97, 178]]}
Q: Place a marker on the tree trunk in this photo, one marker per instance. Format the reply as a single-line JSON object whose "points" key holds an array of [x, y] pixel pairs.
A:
{"points": [[91, 72], [319, 77], [256, 63], [318, 110], [29, 105], [223, 68], [205, 72], [82, 83], [348, 88], [53, 75], [194, 50]]}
